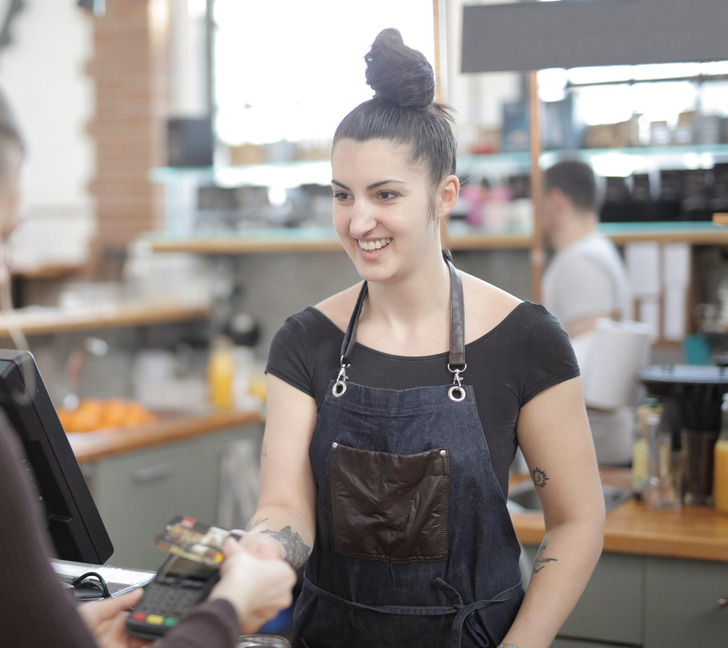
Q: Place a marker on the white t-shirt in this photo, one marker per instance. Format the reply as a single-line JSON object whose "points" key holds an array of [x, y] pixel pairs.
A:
{"points": [[589, 279]]}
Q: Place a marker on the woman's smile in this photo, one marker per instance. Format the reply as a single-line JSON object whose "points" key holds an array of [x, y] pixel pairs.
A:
{"points": [[374, 244]]}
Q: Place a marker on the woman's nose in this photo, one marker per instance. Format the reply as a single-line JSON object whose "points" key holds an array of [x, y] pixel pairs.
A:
{"points": [[362, 219]]}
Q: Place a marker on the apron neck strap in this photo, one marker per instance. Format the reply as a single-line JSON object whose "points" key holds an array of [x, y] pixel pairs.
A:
{"points": [[456, 361], [457, 317]]}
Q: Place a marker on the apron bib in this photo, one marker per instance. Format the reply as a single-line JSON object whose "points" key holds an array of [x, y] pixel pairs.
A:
{"points": [[414, 543]]}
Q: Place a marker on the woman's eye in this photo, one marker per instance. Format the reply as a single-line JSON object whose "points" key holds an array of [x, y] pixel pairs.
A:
{"points": [[387, 195], [341, 196]]}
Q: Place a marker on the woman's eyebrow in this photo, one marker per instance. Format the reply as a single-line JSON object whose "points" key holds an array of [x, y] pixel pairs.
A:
{"points": [[371, 186]]}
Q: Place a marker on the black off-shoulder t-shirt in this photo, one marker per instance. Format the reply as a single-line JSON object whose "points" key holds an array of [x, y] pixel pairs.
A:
{"points": [[525, 354]]}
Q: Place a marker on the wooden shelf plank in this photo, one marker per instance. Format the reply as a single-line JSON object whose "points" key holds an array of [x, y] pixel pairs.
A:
{"points": [[240, 245], [720, 219], [457, 238], [43, 321], [49, 272]]}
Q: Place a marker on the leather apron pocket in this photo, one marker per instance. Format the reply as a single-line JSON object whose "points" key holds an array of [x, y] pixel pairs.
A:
{"points": [[390, 507]]}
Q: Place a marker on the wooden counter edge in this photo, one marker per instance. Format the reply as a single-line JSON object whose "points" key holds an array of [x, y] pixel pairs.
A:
{"points": [[105, 443], [618, 538]]}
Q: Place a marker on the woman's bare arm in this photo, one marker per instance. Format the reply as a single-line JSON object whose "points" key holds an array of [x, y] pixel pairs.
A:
{"points": [[553, 433], [286, 510]]}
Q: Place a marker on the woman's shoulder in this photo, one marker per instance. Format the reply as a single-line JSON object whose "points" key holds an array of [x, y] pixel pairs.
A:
{"points": [[307, 324], [486, 306], [338, 308]]}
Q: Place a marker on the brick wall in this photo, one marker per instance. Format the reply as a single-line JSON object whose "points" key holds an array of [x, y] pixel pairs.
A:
{"points": [[129, 72]]}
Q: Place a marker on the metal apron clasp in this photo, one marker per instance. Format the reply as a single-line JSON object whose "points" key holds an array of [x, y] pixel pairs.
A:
{"points": [[457, 391], [339, 387]]}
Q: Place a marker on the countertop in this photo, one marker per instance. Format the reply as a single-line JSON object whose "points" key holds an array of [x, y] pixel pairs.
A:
{"points": [[698, 533], [90, 446], [693, 532]]}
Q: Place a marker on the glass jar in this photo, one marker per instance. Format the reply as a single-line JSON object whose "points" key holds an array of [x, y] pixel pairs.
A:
{"points": [[263, 641]]}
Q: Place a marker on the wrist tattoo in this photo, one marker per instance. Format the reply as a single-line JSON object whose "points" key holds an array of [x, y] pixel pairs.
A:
{"points": [[297, 552], [541, 558], [507, 645], [539, 477]]}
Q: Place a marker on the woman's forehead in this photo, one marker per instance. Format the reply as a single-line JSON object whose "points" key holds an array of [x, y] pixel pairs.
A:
{"points": [[373, 157]]}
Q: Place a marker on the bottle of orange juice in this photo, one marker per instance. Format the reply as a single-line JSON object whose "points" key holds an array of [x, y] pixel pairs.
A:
{"points": [[720, 470], [221, 373]]}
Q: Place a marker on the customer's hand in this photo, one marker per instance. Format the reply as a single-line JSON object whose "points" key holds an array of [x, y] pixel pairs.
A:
{"points": [[261, 545], [107, 621], [258, 588]]}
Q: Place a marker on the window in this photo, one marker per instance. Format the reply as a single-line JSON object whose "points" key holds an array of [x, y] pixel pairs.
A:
{"points": [[291, 70]]}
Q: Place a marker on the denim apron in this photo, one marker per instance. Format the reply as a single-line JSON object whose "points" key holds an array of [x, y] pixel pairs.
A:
{"points": [[414, 543]]}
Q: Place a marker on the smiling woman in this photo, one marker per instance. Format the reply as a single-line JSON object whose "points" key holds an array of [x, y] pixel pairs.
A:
{"points": [[395, 408]]}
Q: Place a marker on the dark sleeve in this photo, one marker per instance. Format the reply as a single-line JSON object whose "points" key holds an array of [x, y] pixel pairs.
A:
{"points": [[36, 609], [550, 359], [213, 623], [288, 358]]}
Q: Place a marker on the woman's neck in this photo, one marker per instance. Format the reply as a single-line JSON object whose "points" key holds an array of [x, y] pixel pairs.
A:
{"points": [[422, 298]]}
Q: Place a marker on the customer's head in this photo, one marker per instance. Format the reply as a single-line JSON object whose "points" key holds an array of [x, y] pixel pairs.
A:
{"points": [[570, 201], [403, 109], [12, 154]]}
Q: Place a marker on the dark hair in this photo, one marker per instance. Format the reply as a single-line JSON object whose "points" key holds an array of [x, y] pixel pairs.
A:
{"points": [[403, 108], [576, 180]]}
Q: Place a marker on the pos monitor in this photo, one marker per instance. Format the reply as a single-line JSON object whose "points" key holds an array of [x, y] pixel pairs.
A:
{"points": [[74, 523]]}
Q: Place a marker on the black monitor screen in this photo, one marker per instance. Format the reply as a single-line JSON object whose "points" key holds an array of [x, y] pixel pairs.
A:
{"points": [[74, 523]]}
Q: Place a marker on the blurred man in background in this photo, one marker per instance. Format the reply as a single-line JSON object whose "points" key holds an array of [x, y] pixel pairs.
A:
{"points": [[586, 280]]}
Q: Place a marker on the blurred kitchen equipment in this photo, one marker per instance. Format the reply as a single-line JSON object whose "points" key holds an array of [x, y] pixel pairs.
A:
{"points": [[166, 380], [641, 448], [663, 490], [263, 641], [698, 452], [168, 277], [221, 373], [90, 294], [692, 397], [720, 466], [190, 142], [74, 366], [610, 358]]}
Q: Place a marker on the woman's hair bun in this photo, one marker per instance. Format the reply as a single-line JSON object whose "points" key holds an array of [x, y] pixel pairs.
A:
{"points": [[399, 73]]}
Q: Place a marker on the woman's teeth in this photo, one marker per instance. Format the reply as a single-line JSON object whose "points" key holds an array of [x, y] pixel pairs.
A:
{"points": [[374, 245]]}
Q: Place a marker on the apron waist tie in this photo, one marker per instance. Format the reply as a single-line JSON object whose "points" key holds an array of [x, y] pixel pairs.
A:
{"points": [[416, 610], [459, 609]]}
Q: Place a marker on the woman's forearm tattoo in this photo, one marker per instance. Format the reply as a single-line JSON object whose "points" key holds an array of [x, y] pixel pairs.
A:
{"points": [[541, 559], [539, 477], [297, 552]]}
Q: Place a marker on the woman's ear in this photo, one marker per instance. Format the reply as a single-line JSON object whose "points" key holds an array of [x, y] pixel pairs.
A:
{"points": [[447, 196]]}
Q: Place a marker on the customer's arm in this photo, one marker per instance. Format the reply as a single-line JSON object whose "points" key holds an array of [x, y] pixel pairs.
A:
{"points": [[554, 435], [251, 591], [35, 610], [285, 523]]}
